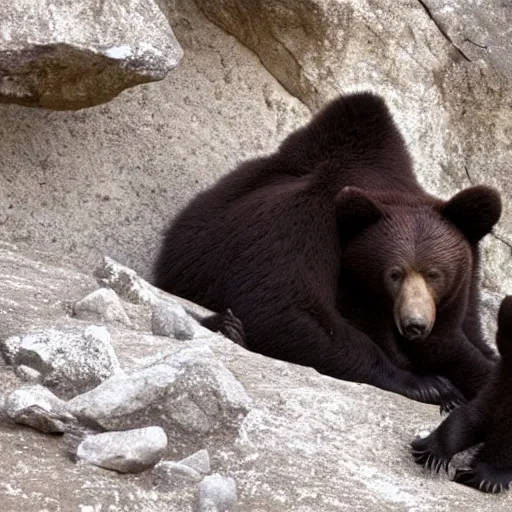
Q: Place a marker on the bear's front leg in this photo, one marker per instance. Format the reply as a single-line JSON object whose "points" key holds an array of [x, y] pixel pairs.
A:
{"points": [[350, 354], [464, 428], [491, 467], [453, 356]]}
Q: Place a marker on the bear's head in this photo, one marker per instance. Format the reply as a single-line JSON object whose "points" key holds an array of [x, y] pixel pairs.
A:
{"points": [[411, 256]]}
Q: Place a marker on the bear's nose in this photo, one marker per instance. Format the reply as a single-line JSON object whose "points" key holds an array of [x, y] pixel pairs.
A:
{"points": [[415, 327]]}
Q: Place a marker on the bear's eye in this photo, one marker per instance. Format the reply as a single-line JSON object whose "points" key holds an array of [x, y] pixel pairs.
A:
{"points": [[395, 274], [433, 275]]}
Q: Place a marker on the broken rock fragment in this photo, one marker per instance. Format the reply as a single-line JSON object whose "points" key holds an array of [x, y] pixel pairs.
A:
{"points": [[217, 493], [69, 55], [170, 476], [191, 396], [69, 362], [102, 306], [37, 407], [167, 320], [131, 451]]}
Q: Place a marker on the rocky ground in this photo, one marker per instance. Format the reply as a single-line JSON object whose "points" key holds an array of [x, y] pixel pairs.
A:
{"points": [[277, 436], [118, 356]]}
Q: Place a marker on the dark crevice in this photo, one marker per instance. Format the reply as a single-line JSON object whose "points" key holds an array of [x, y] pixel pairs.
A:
{"points": [[483, 46], [468, 175], [443, 32], [502, 240]]}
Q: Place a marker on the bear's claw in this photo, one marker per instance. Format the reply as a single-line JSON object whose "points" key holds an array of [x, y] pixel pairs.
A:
{"points": [[232, 327], [485, 478], [430, 461], [425, 454], [433, 389]]}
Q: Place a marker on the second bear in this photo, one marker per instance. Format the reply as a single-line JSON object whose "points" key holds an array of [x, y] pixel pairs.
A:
{"points": [[486, 419]]}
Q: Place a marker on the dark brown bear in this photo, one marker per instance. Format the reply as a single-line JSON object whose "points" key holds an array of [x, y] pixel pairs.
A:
{"points": [[486, 419], [333, 256]]}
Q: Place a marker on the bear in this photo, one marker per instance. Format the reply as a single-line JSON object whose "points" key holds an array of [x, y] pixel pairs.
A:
{"points": [[486, 419], [333, 256]]}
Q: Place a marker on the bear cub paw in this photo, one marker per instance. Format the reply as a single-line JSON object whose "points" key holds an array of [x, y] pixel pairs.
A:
{"points": [[485, 478], [429, 454]]}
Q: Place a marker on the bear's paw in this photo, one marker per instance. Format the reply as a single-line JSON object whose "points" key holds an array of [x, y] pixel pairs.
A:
{"points": [[485, 478], [427, 453]]}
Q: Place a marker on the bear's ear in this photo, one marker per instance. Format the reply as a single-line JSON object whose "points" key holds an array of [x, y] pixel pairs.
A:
{"points": [[504, 335], [474, 211], [355, 211]]}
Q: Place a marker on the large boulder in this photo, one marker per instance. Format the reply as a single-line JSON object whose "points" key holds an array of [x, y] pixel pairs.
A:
{"points": [[444, 68], [106, 180], [69, 55]]}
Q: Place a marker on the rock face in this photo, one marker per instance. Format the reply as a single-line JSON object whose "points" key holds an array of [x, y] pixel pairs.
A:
{"points": [[444, 67], [68, 55], [106, 180], [304, 442]]}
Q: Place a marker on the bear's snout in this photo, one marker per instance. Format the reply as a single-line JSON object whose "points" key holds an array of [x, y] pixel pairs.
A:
{"points": [[415, 308], [415, 327]]}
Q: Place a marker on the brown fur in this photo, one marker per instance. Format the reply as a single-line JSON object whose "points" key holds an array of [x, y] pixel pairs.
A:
{"points": [[297, 244]]}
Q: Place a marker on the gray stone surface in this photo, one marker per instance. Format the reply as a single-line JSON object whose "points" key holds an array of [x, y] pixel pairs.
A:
{"points": [[170, 476], [133, 288], [68, 362], [450, 98], [37, 407], [70, 55], [131, 451], [102, 305], [490, 305], [106, 180], [171, 321], [77, 185], [217, 493], [200, 461], [28, 374], [308, 443], [482, 32], [191, 395]]}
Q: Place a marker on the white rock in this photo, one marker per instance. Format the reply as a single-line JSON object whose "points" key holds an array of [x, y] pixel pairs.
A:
{"points": [[69, 362], [133, 288], [169, 475], [191, 396], [216, 493], [102, 305], [200, 461], [174, 322], [125, 282], [131, 451], [29, 374], [37, 407]]}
